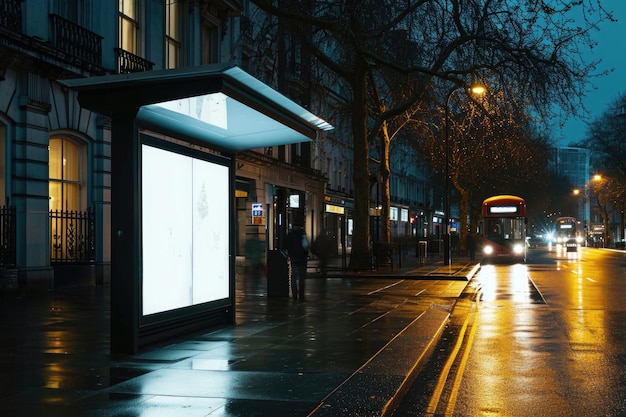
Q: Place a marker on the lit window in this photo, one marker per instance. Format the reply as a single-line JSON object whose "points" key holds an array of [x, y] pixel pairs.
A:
{"points": [[172, 34], [128, 26], [66, 171]]}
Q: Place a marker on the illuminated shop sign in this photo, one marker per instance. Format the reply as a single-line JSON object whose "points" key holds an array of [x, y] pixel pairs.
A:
{"points": [[330, 208]]}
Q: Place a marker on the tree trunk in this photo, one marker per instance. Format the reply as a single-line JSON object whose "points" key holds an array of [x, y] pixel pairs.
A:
{"points": [[465, 196], [463, 214], [385, 173], [360, 256]]}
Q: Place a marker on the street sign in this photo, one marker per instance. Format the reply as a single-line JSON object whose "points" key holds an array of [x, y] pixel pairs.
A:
{"points": [[257, 214]]}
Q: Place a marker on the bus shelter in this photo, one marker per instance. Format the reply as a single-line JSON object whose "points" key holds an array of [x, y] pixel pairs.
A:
{"points": [[174, 137]]}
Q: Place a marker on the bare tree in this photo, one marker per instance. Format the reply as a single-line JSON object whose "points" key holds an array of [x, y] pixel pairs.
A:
{"points": [[606, 138], [533, 47], [494, 149]]}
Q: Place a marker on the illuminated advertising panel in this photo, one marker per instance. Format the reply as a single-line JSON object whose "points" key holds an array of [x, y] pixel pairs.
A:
{"points": [[185, 230]]}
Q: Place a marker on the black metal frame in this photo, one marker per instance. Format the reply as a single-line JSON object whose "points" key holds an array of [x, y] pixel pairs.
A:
{"points": [[7, 236]]}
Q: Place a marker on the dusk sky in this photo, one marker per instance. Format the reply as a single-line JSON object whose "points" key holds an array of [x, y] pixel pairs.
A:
{"points": [[612, 50]]}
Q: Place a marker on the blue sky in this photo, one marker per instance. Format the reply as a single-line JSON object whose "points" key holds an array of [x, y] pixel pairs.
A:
{"points": [[611, 49]]}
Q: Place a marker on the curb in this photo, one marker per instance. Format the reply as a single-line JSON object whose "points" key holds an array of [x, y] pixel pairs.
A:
{"points": [[380, 384]]}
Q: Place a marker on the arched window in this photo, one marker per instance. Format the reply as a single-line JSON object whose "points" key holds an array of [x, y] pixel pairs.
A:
{"points": [[67, 175]]}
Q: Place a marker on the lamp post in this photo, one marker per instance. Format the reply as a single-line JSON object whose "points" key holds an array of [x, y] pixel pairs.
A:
{"points": [[475, 89], [587, 204]]}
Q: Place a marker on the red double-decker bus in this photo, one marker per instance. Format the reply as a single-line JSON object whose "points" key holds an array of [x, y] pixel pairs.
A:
{"points": [[504, 227]]}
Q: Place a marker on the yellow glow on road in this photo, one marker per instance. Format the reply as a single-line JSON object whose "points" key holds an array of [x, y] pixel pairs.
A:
{"points": [[488, 283]]}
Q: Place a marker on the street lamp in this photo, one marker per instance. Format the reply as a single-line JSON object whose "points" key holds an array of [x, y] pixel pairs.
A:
{"points": [[476, 89], [587, 204]]}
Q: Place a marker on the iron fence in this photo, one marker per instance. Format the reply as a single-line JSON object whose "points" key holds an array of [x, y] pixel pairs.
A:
{"points": [[73, 236], [7, 236]]}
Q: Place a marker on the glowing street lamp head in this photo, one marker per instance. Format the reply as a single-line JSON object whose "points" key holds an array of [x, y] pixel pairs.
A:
{"points": [[478, 89]]}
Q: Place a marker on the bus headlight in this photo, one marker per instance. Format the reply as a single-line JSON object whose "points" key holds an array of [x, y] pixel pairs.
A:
{"points": [[518, 249], [488, 249], [579, 239]]}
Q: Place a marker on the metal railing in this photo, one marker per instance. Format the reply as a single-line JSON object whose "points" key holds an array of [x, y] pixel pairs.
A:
{"points": [[73, 236], [7, 236], [11, 15], [128, 62], [75, 40]]}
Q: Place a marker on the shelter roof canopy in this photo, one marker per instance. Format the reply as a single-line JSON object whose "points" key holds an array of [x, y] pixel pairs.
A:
{"points": [[217, 105]]}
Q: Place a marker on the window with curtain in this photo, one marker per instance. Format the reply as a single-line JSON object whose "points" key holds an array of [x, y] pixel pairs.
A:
{"points": [[172, 34], [66, 175]]}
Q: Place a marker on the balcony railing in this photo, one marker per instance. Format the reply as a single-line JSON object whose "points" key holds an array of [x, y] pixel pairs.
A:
{"points": [[7, 236], [128, 62], [73, 236], [11, 15], [76, 41]]}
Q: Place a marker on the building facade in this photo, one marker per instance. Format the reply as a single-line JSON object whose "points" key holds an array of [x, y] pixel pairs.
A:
{"points": [[55, 156], [573, 163]]}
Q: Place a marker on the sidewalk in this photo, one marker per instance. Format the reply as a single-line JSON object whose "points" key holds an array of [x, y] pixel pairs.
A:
{"points": [[408, 266], [351, 349]]}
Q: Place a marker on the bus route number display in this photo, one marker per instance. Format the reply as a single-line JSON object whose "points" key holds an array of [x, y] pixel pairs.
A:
{"points": [[503, 210]]}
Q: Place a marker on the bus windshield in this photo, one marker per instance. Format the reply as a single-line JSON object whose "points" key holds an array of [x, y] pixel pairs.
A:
{"points": [[505, 228]]}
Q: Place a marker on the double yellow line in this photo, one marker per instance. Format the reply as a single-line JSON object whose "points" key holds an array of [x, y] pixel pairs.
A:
{"points": [[471, 321]]}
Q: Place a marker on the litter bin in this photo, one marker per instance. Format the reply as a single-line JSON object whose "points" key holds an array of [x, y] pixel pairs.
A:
{"points": [[277, 274], [422, 251]]}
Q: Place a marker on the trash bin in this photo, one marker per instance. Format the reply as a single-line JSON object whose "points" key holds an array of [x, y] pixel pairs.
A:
{"points": [[422, 251], [277, 274]]}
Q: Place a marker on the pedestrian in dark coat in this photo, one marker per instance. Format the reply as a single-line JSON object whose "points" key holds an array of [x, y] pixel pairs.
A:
{"points": [[322, 248], [471, 246], [297, 245]]}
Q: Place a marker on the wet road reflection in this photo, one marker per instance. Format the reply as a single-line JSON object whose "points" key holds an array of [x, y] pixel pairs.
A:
{"points": [[548, 339], [510, 283]]}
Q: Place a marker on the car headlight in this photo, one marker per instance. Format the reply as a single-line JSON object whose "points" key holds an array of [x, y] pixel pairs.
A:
{"points": [[488, 250], [518, 249], [579, 239]]}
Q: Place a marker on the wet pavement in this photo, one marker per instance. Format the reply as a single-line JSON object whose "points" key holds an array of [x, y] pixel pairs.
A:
{"points": [[351, 349]]}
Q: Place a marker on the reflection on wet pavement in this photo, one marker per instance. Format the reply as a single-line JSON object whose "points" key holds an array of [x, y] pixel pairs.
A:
{"points": [[508, 283], [282, 358]]}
